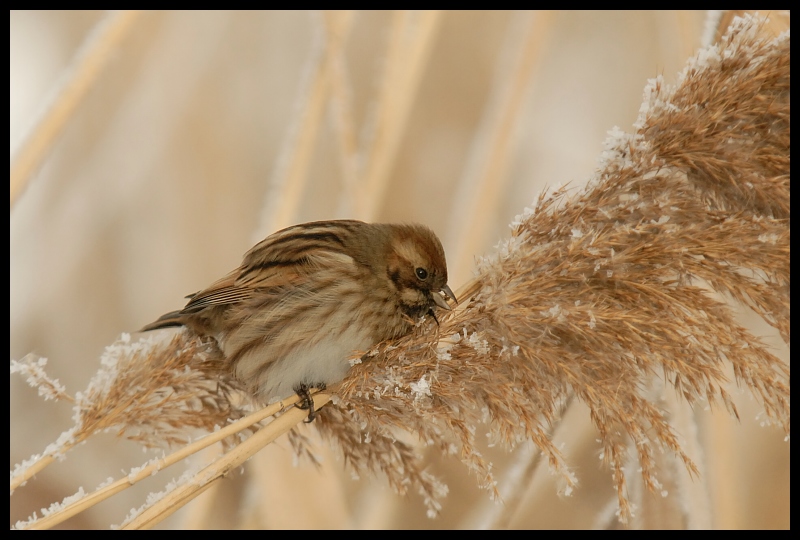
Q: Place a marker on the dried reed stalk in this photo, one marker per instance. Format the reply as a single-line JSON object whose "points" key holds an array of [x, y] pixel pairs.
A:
{"points": [[411, 42], [88, 63], [486, 175], [596, 297], [291, 175]]}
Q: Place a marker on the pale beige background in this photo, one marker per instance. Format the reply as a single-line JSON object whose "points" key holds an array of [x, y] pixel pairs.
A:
{"points": [[170, 170]]}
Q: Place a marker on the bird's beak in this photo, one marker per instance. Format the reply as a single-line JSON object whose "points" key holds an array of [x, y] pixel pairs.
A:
{"points": [[439, 298]]}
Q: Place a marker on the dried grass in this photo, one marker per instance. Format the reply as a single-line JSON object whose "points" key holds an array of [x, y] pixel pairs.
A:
{"points": [[599, 297], [600, 294]]}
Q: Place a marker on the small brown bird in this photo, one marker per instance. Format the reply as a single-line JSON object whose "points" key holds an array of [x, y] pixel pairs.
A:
{"points": [[305, 298]]}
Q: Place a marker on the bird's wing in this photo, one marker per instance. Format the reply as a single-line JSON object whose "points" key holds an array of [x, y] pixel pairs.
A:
{"points": [[222, 291], [283, 261]]}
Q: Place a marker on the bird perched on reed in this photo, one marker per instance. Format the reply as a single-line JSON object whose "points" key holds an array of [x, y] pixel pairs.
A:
{"points": [[306, 297]]}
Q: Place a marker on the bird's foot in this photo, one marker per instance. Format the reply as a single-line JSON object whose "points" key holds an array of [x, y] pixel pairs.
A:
{"points": [[307, 400]]}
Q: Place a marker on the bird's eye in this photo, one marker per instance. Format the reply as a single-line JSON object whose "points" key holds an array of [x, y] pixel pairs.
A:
{"points": [[421, 273]]}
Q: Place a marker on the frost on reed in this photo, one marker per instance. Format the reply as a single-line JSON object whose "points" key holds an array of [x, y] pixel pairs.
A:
{"points": [[596, 297], [156, 392], [599, 295]]}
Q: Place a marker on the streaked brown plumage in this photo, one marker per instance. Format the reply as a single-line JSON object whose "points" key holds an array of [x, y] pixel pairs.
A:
{"points": [[307, 296]]}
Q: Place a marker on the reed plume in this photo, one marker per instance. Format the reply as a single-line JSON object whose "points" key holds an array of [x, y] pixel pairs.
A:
{"points": [[602, 296], [607, 293]]}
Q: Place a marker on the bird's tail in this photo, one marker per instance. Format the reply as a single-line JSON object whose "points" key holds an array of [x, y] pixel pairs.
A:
{"points": [[173, 318]]}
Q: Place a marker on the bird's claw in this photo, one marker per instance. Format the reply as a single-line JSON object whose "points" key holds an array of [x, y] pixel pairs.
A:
{"points": [[307, 400]]}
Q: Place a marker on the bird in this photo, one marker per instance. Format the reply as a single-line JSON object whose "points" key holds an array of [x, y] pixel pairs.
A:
{"points": [[308, 297]]}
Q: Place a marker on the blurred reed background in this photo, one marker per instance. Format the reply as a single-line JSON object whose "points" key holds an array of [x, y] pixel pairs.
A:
{"points": [[202, 132]]}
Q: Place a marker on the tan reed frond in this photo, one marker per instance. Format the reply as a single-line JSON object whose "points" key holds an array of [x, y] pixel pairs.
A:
{"points": [[159, 392], [154, 391], [600, 294], [594, 297]]}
